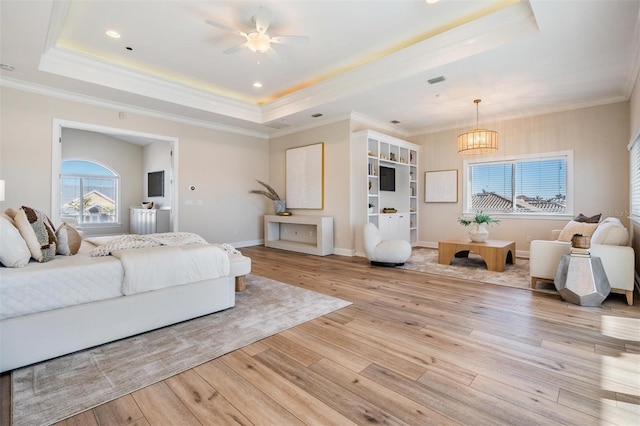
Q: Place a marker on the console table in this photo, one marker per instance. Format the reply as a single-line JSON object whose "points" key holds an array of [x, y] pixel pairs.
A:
{"points": [[304, 234]]}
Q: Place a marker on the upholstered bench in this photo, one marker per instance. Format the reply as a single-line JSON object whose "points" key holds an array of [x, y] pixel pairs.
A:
{"points": [[240, 266]]}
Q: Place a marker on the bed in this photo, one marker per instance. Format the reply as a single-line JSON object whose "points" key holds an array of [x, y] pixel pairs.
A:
{"points": [[75, 302]]}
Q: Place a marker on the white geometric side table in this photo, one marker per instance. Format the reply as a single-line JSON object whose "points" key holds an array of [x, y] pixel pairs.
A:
{"points": [[581, 279]]}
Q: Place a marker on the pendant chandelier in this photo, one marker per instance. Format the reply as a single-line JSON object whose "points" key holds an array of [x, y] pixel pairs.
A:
{"points": [[478, 141]]}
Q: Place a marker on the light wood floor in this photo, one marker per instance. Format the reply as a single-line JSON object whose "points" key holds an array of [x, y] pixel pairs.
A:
{"points": [[412, 349]]}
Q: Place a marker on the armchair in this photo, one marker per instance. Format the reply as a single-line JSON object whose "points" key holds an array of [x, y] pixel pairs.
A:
{"points": [[608, 242], [387, 252]]}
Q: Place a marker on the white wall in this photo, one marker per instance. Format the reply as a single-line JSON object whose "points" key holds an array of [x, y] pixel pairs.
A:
{"points": [[598, 136], [336, 138], [222, 165], [123, 158]]}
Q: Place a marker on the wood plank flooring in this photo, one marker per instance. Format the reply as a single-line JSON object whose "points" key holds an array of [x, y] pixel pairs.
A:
{"points": [[412, 349]]}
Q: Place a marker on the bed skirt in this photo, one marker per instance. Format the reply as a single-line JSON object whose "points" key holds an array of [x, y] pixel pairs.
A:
{"points": [[33, 338]]}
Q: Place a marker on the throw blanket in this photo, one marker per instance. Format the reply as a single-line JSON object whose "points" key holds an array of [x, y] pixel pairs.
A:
{"points": [[153, 268], [105, 247]]}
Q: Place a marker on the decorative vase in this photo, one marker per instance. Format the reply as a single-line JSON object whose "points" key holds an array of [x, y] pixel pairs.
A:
{"points": [[279, 206], [478, 233]]}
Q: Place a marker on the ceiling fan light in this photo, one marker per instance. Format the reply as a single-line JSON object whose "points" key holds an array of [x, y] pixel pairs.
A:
{"points": [[258, 42]]}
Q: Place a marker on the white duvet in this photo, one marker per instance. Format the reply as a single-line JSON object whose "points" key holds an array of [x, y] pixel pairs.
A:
{"points": [[153, 268], [72, 280]]}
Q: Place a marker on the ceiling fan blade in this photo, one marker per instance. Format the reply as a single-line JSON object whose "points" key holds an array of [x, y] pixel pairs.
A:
{"points": [[263, 19], [235, 49], [273, 56], [291, 40], [224, 27]]}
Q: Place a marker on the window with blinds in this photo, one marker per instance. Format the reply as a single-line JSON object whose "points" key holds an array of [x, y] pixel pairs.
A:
{"points": [[634, 166], [526, 185], [88, 192]]}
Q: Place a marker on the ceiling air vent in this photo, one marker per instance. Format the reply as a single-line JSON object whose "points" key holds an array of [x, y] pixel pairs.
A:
{"points": [[436, 80], [277, 125]]}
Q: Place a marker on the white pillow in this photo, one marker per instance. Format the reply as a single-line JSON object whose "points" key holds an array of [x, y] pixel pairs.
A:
{"points": [[14, 252], [611, 232]]}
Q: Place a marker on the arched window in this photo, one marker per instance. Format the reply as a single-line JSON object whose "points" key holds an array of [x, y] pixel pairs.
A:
{"points": [[88, 192]]}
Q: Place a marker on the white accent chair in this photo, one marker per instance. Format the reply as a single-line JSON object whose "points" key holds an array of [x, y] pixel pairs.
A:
{"points": [[608, 242], [387, 252]]}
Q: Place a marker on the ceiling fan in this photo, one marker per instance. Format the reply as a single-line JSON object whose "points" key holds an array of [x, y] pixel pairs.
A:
{"points": [[259, 40]]}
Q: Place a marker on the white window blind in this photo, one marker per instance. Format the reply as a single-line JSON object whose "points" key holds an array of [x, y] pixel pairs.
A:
{"points": [[535, 186], [634, 155]]}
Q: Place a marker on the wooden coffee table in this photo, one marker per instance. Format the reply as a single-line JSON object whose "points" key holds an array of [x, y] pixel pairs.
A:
{"points": [[495, 253]]}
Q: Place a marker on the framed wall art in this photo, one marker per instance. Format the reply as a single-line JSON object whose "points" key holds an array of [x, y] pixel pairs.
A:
{"points": [[441, 186], [305, 177]]}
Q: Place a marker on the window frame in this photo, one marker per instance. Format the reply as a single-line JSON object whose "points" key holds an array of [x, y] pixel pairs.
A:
{"points": [[567, 155], [117, 222]]}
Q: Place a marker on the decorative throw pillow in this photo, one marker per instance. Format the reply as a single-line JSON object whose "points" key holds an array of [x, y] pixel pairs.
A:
{"points": [[9, 216], [585, 219], [69, 240], [612, 232], [39, 233], [572, 228], [14, 252]]}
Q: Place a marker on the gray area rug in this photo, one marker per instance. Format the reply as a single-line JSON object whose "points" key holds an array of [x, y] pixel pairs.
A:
{"points": [[474, 268], [53, 390]]}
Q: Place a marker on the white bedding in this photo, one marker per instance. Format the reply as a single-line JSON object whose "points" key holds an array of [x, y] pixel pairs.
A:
{"points": [[153, 268], [64, 281], [73, 280]]}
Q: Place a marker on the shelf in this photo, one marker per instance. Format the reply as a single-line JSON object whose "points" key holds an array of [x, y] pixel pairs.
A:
{"points": [[370, 151], [304, 234]]}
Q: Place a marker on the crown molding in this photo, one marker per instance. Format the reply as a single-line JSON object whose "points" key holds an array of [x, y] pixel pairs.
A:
{"points": [[80, 67], [88, 100], [551, 109], [383, 126], [488, 32]]}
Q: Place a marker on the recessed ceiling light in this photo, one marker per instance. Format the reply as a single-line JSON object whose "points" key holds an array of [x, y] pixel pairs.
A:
{"points": [[432, 1], [316, 115], [395, 122], [112, 33], [257, 85]]}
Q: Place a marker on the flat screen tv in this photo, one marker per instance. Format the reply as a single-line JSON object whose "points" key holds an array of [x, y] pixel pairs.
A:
{"points": [[387, 178], [155, 184]]}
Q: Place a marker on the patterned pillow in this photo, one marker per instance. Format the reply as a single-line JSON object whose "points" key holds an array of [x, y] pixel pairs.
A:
{"points": [[39, 233], [592, 219], [69, 240]]}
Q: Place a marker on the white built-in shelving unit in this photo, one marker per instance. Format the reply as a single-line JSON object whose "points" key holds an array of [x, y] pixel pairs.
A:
{"points": [[371, 150]]}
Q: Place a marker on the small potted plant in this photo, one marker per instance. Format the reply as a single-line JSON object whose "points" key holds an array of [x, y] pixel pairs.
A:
{"points": [[478, 232], [279, 205]]}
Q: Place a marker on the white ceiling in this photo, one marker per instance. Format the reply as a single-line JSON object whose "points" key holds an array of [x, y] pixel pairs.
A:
{"points": [[373, 58]]}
